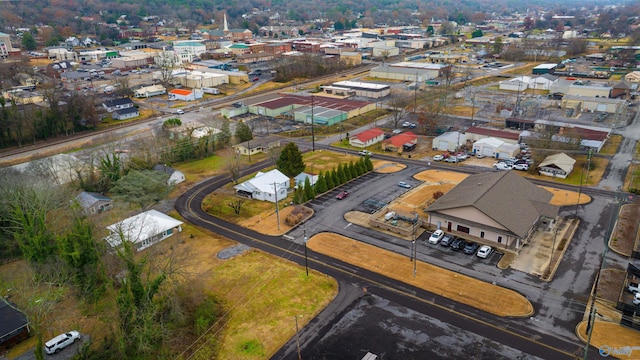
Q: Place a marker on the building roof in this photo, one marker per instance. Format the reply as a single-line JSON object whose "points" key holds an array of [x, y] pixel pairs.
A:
{"points": [[361, 85], [259, 142], [141, 227], [263, 182], [369, 134], [546, 66], [118, 102], [164, 169], [494, 132], [125, 111], [560, 160], [319, 101], [182, 92], [88, 199], [152, 88], [506, 197], [12, 318], [402, 139]]}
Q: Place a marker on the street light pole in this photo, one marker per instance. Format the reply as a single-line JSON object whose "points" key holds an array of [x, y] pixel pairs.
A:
{"points": [[313, 135]]}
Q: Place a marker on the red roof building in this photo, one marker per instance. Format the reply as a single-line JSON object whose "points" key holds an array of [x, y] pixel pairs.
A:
{"points": [[475, 133], [401, 142], [367, 138]]}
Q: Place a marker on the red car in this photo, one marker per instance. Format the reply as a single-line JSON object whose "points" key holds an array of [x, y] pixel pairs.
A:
{"points": [[342, 195], [255, 79]]}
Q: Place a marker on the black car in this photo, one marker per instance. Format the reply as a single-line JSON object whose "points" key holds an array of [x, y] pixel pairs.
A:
{"points": [[458, 244], [447, 240], [470, 248]]}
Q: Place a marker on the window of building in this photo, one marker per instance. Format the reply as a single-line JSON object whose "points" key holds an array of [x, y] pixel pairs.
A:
{"points": [[482, 234], [499, 239], [463, 229]]}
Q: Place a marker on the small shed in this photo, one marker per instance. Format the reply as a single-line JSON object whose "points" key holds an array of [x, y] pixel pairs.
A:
{"points": [[175, 176]]}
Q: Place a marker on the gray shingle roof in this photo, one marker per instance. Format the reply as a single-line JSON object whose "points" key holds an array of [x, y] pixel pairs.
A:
{"points": [[504, 196]]}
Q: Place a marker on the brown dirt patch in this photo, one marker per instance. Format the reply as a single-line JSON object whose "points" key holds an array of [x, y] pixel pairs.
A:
{"points": [[387, 167], [610, 283], [624, 235], [485, 296], [566, 197], [610, 334], [267, 223], [440, 176]]}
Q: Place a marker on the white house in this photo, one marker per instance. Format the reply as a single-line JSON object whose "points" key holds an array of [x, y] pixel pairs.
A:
{"points": [[143, 230], [93, 202], [175, 176], [269, 186], [126, 113], [302, 177], [185, 95], [367, 138], [449, 141], [148, 91], [495, 148]]}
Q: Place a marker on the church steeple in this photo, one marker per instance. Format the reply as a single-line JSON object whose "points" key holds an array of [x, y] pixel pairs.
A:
{"points": [[226, 26]]}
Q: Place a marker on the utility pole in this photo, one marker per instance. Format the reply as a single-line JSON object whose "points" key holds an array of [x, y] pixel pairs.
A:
{"points": [[298, 339], [306, 261], [277, 212], [313, 135]]}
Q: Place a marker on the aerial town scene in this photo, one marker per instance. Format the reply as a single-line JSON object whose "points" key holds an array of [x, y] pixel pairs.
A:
{"points": [[319, 180]]}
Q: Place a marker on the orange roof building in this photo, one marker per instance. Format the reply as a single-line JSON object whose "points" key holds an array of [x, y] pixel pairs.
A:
{"points": [[402, 142]]}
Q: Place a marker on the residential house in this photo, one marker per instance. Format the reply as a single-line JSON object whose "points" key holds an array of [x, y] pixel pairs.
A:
{"points": [[367, 138], [495, 148], [143, 230], [557, 165], [406, 141], [14, 326], [520, 83], [175, 176], [303, 176], [93, 203], [117, 104], [633, 77], [258, 145], [477, 209], [126, 113], [270, 186]]}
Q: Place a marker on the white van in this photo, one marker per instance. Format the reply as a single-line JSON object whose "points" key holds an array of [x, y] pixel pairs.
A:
{"points": [[60, 342]]}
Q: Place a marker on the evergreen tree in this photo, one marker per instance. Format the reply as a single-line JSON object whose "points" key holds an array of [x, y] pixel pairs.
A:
{"points": [[308, 190], [28, 41], [329, 180], [335, 177], [224, 137], [299, 196], [369, 164], [290, 162], [243, 133], [342, 174], [321, 185], [353, 170]]}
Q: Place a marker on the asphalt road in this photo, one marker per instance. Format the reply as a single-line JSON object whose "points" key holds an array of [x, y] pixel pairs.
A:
{"points": [[519, 334]]}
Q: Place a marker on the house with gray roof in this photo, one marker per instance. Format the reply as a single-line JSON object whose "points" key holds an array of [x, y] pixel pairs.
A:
{"points": [[557, 165], [93, 203], [497, 208]]}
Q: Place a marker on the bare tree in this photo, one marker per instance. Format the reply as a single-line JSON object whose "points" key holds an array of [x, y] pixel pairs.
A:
{"points": [[399, 101], [431, 107], [236, 205], [167, 61], [232, 164]]}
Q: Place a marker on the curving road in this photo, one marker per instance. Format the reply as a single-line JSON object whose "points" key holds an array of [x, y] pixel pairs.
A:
{"points": [[353, 280]]}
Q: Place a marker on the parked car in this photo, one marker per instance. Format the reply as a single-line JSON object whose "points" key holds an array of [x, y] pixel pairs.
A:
{"points": [[446, 240], [255, 79], [180, 112], [342, 195], [470, 248], [484, 251], [436, 236], [458, 244], [438, 158], [480, 156], [404, 185], [636, 299], [412, 126], [502, 166], [633, 287], [406, 124], [60, 342], [451, 159], [397, 131], [523, 167], [462, 156], [365, 153]]}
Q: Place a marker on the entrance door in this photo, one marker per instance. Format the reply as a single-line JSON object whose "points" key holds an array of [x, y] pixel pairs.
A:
{"points": [[449, 226]]}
